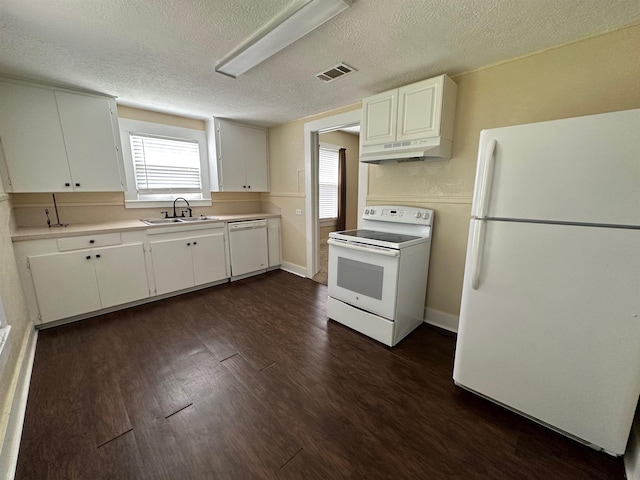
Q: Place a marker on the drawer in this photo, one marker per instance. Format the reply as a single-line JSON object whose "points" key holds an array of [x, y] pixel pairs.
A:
{"points": [[89, 241]]}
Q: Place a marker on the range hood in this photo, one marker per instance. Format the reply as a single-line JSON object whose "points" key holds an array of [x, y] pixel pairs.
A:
{"points": [[407, 151]]}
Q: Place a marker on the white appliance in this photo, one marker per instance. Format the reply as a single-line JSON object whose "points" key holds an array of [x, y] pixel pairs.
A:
{"points": [[549, 322], [377, 275], [248, 248]]}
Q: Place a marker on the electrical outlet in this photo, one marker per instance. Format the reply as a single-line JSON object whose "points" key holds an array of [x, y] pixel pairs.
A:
{"points": [[298, 211]]}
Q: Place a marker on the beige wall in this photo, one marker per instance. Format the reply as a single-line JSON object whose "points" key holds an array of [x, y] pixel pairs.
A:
{"points": [[596, 75], [287, 177], [161, 118], [77, 208], [15, 311]]}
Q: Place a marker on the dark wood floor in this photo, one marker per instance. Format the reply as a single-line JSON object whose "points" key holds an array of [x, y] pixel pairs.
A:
{"points": [[250, 380]]}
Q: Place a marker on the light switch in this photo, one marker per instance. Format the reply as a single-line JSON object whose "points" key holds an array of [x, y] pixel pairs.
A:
{"points": [[298, 211]]}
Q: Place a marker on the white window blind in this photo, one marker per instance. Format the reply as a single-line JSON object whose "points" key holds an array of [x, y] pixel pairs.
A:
{"points": [[328, 183], [166, 165]]}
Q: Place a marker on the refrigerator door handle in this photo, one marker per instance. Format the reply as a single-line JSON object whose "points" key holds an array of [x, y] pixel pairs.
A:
{"points": [[486, 178], [477, 248]]}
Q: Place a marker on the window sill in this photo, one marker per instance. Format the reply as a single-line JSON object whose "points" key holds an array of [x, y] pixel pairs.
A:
{"points": [[328, 222], [205, 202]]}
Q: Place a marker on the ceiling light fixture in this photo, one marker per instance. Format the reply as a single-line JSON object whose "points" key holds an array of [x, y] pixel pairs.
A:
{"points": [[292, 25]]}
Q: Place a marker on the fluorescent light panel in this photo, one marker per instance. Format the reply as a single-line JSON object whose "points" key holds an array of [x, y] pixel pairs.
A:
{"points": [[282, 32]]}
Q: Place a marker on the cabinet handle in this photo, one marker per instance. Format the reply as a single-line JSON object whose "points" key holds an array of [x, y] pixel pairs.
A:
{"points": [[188, 244], [77, 184], [67, 184], [97, 256], [248, 186], [92, 241], [88, 257], [195, 243]]}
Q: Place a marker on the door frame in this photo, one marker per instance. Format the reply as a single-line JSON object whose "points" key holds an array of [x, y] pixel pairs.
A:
{"points": [[311, 145]]}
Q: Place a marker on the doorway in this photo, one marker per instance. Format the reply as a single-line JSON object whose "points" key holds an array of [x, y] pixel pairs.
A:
{"points": [[337, 189], [312, 130]]}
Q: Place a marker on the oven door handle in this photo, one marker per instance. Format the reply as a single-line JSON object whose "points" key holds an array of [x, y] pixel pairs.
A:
{"points": [[363, 248]]}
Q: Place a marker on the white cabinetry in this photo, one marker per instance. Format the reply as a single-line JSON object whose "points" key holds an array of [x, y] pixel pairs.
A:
{"points": [[273, 239], [74, 277], [239, 157], [58, 141], [77, 282], [419, 111], [186, 259]]}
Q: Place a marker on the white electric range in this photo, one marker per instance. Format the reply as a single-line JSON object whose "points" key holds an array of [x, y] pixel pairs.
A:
{"points": [[378, 274]]}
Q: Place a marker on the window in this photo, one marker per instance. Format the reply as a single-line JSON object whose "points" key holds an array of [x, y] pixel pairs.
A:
{"points": [[163, 162], [328, 182], [166, 166]]}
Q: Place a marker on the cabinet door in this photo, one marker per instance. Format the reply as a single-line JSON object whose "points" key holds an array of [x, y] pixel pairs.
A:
{"points": [[65, 284], [209, 259], [256, 164], [172, 265], [273, 238], [231, 156], [32, 140], [121, 273], [242, 157], [89, 139], [379, 117], [419, 109]]}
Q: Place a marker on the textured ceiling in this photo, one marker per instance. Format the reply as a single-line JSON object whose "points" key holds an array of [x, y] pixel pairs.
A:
{"points": [[160, 54]]}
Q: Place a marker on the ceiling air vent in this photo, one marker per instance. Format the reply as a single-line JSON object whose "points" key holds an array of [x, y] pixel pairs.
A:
{"points": [[335, 72]]}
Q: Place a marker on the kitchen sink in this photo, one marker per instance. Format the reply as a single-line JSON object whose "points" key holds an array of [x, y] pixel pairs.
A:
{"points": [[160, 221], [201, 218], [165, 221]]}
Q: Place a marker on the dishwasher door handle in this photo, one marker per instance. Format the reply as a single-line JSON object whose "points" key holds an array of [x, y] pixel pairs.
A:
{"points": [[237, 226]]}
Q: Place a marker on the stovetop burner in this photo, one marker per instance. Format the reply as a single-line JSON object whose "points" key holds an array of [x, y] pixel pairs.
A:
{"points": [[390, 237]]}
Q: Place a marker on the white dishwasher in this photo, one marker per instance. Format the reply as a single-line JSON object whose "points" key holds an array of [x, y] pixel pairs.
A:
{"points": [[248, 247]]}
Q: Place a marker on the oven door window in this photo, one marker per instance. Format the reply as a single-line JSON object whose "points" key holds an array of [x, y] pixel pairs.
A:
{"points": [[360, 277], [364, 278]]}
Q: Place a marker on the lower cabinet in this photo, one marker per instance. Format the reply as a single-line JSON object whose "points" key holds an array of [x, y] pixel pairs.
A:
{"points": [[78, 276], [273, 238], [73, 283], [187, 262]]}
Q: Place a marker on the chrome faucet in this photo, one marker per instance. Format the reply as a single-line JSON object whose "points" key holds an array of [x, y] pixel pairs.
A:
{"points": [[175, 215]]}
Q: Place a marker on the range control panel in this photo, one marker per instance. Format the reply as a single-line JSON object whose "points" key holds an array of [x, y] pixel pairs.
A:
{"points": [[388, 213]]}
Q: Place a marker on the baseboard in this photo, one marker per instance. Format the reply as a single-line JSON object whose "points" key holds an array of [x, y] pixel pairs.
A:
{"points": [[632, 455], [18, 392], [442, 320], [295, 269]]}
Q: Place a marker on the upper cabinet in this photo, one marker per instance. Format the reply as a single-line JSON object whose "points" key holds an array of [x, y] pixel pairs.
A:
{"points": [[422, 113], [58, 141], [238, 154]]}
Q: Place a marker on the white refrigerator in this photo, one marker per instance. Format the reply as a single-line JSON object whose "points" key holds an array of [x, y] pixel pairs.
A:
{"points": [[550, 314]]}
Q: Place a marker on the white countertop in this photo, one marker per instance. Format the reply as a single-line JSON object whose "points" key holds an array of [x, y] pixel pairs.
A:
{"points": [[37, 233]]}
